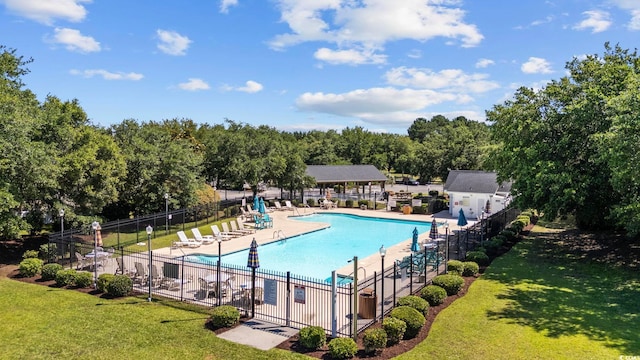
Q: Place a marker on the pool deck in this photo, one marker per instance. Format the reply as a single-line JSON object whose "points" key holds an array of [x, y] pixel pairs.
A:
{"points": [[284, 223]]}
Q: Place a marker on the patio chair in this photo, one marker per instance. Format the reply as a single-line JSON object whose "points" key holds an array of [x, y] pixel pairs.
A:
{"points": [[258, 222], [140, 276], [225, 230], [170, 277], [156, 278], [82, 261], [122, 269], [205, 239], [235, 227], [185, 241], [206, 289], [268, 221], [219, 234]]}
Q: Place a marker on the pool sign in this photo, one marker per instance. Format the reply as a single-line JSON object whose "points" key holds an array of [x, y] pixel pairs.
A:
{"points": [[270, 292], [298, 294]]}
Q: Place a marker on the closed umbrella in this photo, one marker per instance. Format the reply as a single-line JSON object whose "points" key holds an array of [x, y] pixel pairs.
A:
{"points": [[262, 209], [253, 262], [433, 234], [487, 208], [256, 203], [462, 220], [414, 244]]}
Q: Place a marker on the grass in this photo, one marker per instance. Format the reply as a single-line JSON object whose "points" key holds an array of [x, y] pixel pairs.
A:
{"points": [[39, 322], [540, 302]]}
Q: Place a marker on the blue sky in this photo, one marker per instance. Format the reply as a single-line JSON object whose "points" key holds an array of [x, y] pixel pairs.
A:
{"points": [[299, 65]]}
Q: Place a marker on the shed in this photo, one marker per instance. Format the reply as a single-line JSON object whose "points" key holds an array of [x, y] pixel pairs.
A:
{"points": [[476, 192]]}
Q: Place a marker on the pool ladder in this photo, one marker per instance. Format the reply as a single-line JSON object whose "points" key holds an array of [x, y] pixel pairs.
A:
{"points": [[279, 235]]}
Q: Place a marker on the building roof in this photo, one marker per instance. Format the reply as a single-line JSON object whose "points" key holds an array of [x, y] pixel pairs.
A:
{"points": [[475, 181], [345, 173]]}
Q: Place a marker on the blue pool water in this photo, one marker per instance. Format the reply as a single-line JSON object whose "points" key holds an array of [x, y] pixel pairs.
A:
{"points": [[318, 253]]}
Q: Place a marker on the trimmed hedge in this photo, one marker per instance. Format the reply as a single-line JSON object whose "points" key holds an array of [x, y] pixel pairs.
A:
{"points": [[224, 316], [49, 271], [455, 266], [412, 317], [449, 282], [312, 337], [470, 268], [30, 254], [415, 302], [395, 329], [30, 267], [433, 294], [121, 285], [479, 257], [66, 277], [103, 281], [374, 339], [342, 348], [83, 279]]}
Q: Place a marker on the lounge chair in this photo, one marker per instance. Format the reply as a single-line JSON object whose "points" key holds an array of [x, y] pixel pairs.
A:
{"points": [[205, 239], [278, 206], [122, 269], [327, 204], [185, 241], [288, 205], [170, 278], [225, 230], [219, 234], [235, 228], [156, 277], [251, 211], [140, 276]]}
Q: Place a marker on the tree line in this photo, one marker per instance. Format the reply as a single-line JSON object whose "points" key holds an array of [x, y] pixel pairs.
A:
{"points": [[53, 157]]}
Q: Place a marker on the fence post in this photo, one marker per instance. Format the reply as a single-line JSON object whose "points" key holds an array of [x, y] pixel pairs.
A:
{"points": [[411, 274], [288, 300], [395, 278], [334, 296]]}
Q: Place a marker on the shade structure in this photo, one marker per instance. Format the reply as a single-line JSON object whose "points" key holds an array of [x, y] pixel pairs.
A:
{"points": [[433, 234], [262, 209], [462, 220], [253, 261], [256, 203], [414, 244]]}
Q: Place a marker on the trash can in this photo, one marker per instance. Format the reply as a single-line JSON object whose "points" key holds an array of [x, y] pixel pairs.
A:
{"points": [[406, 209], [367, 304]]}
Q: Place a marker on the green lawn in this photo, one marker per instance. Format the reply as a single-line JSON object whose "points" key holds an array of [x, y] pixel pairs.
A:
{"points": [[540, 302], [39, 322]]}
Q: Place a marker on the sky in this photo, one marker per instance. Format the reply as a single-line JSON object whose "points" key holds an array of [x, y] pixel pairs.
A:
{"points": [[300, 65]]}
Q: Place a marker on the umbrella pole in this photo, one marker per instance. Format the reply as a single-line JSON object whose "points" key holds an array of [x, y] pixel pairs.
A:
{"points": [[253, 292]]}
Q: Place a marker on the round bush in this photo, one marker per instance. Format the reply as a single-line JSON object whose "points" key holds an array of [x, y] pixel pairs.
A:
{"points": [[455, 266], [121, 285], [312, 337], [66, 277], [508, 234], [374, 339], [411, 317], [479, 257], [224, 316], [48, 251], [470, 268], [395, 329], [103, 281], [30, 254], [30, 267], [342, 348], [83, 279], [415, 302], [49, 271], [449, 282], [433, 294]]}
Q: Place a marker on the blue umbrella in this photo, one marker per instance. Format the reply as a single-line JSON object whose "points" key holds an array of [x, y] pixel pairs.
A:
{"points": [[462, 220], [253, 262], [256, 203], [433, 234], [262, 208], [414, 244]]}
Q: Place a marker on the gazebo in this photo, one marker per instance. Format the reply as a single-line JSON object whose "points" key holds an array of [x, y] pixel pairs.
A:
{"points": [[327, 176]]}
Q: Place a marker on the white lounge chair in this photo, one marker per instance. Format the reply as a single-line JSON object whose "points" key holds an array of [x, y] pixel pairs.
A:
{"points": [[288, 205], [205, 239], [185, 241], [327, 204], [236, 227], [225, 230], [218, 234]]}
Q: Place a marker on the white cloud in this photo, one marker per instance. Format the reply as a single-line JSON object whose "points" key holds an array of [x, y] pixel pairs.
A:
{"points": [[73, 40], [536, 65], [452, 80], [415, 54], [634, 23], [46, 11], [633, 6], [249, 87], [107, 75], [597, 21], [372, 23], [483, 63], [226, 4], [172, 43], [352, 57], [194, 85]]}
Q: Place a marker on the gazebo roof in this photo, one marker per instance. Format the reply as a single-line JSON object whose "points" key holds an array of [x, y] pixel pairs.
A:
{"points": [[345, 173]]}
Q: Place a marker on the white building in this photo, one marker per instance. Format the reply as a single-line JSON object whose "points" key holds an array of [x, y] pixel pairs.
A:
{"points": [[476, 192]]}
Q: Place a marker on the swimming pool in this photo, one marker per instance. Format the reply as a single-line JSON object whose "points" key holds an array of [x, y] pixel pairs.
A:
{"points": [[318, 253]]}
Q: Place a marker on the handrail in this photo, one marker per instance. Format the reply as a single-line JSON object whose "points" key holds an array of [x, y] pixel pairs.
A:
{"points": [[277, 235]]}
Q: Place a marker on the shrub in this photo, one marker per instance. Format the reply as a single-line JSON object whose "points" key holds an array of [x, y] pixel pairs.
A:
{"points": [[66, 277], [415, 302], [224, 316], [363, 202], [30, 267], [411, 317], [470, 268], [348, 203], [49, 271], [395, 329], [48, 251], [455, 266], [524, 219], [119, 286], [312, 337], [30, 254], [433, 294], [433, 193], [449, 282], [311, 202], [423, 209], [103, 281], [83, 279], [374, 339], [508, 234], [479, 257], [494, 244], [342, 348]]}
